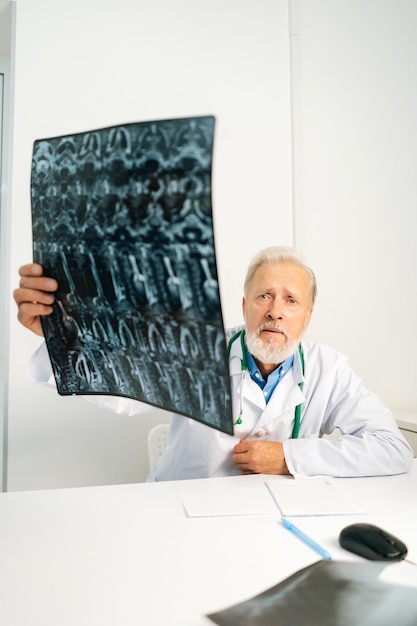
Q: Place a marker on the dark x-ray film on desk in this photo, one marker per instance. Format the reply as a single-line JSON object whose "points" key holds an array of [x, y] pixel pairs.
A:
{"points": [[122, 218], [328, 593]]}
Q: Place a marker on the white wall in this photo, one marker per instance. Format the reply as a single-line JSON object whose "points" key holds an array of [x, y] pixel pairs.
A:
{"points": [[359, 185], [86, 64]]}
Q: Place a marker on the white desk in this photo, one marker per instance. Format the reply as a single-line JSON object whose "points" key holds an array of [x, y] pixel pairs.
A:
{"points": [[128, 555]]}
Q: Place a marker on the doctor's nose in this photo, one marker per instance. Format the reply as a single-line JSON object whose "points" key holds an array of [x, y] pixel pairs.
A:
{"points": [[274, 311]]}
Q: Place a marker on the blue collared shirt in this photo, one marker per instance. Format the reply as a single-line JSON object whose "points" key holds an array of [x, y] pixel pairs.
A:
{"points": [[274, 377]]}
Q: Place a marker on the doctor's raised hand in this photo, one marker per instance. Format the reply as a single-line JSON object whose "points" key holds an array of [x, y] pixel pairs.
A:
{"points": [[34, 296]]}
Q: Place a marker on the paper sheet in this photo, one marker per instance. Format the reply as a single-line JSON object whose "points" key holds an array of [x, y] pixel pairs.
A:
{"points": [[311, 496], [217, 500]]}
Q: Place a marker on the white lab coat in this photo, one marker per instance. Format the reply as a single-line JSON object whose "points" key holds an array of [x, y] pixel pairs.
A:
{"points": [[332, 396]]}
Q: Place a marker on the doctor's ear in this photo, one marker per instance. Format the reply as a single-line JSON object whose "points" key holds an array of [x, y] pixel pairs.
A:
{"points": [[243, 307]]}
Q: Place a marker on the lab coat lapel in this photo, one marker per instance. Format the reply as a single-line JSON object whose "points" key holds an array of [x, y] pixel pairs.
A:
{"points": [[251, 392]]}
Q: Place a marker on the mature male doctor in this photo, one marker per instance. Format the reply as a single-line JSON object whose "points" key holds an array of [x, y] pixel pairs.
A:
{"points": [[287, 392]]}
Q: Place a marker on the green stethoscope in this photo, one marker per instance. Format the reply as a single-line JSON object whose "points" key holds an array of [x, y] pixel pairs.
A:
{"points": [[244, 367]]}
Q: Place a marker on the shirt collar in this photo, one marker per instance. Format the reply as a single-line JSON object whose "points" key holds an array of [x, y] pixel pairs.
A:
{"points": [[278, 373]]}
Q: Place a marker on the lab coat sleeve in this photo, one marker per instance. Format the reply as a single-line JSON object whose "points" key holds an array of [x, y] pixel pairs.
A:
{"points": [[370, 443], [40, 371]]}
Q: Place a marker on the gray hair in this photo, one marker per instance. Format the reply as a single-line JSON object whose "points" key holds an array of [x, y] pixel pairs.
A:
{"points": [[280, 254]]}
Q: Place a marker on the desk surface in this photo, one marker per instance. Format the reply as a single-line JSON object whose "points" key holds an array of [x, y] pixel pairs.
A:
{"points": [[129, 555]]}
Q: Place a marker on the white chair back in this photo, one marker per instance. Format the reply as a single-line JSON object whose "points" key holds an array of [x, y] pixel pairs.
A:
{"points": [[157, 441]]}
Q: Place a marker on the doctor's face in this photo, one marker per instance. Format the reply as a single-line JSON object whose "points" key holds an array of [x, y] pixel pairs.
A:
{"points": [[277, 310]]}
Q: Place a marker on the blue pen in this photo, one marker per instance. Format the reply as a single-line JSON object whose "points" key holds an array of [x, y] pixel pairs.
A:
{"points": [[309, 542]]}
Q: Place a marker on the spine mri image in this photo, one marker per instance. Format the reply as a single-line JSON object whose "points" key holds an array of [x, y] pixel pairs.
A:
{"points": [[122, 218]]}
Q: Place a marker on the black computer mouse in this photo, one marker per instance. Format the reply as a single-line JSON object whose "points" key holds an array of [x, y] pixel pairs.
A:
{"points": [[372, 543]]}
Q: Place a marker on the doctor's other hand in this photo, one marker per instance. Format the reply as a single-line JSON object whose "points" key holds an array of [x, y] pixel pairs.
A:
{"points": [[260, 457], [34, 296]]}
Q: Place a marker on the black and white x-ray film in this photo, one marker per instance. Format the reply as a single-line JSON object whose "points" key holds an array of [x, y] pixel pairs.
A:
{"points": [[122, 218]]}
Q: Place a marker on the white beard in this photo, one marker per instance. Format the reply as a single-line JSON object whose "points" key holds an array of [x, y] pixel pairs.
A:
{"points": [[269, 352]]}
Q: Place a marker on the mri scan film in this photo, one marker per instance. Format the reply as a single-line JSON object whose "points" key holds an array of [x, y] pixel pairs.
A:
{"points": [[122, 218]]}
